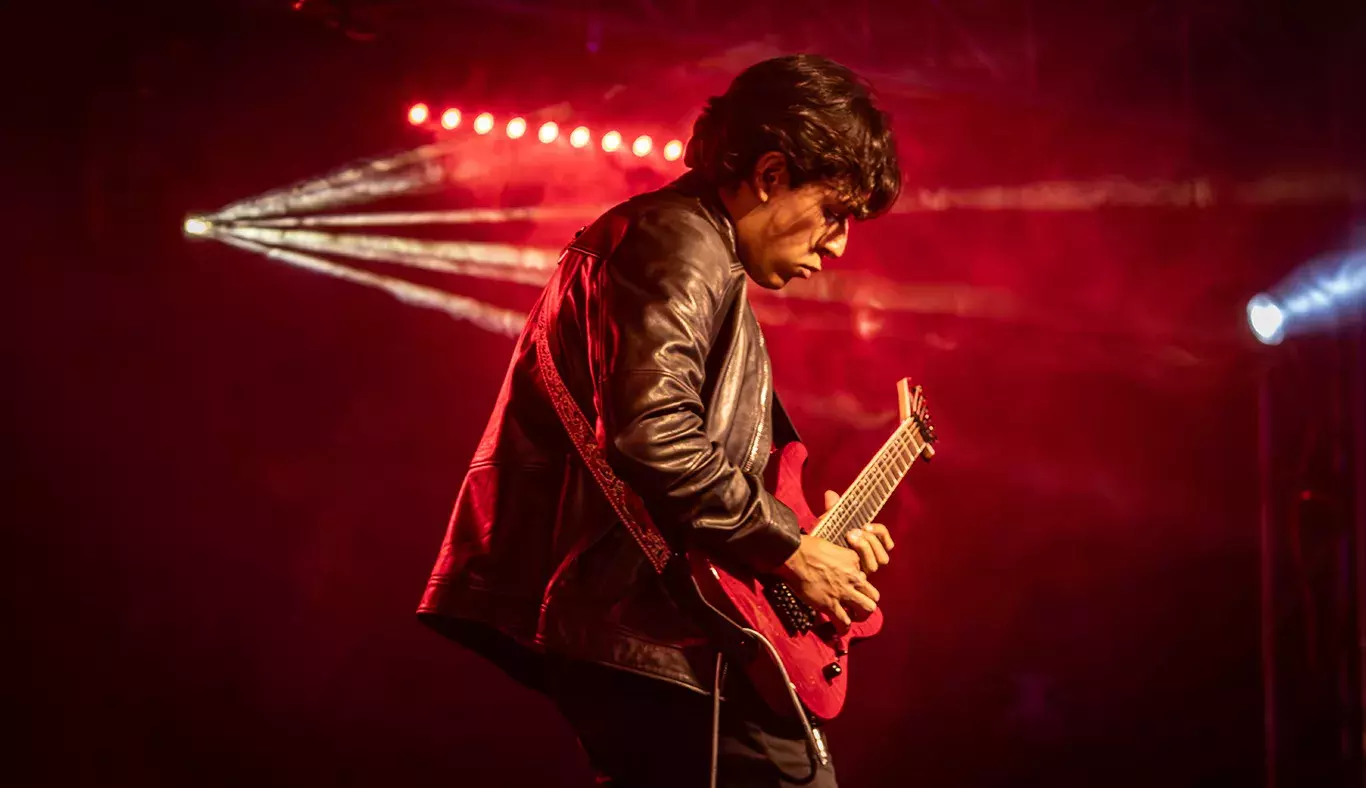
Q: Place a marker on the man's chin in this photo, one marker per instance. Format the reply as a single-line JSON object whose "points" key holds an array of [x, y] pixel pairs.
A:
{"points": [[773, 281], [783, 280]]}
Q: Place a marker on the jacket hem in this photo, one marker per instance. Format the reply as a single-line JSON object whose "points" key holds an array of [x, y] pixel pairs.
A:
{"points": [[620, 648]]}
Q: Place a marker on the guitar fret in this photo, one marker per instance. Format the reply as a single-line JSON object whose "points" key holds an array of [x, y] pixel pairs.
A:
{"points": [[881, 487], [888, 476], [865, 512]]}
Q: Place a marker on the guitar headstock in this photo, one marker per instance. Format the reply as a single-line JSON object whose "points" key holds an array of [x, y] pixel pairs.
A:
{"points": [[914, 407]]}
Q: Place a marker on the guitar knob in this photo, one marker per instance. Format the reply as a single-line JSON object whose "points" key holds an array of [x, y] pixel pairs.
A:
{"points": [[832, 670]]}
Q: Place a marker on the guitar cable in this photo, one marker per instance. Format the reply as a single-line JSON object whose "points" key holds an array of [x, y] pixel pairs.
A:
{"points": [[816, 752], [718, 679]]}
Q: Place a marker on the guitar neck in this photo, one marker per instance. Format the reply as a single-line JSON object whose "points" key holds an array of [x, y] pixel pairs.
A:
{"points": [[874, 484]]}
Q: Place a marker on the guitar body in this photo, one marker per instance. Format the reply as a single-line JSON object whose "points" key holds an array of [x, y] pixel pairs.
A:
{"points": [[816, 661]]}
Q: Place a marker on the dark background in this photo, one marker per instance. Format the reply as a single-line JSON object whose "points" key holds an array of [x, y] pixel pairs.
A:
{"points": [[229, 477]]}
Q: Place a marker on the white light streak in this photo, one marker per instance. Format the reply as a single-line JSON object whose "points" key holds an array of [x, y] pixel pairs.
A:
{"points": [[359, 182], [1321, 294], [506, 322], [870, 291], [537, 213], [504, 262], [1056, 196]]}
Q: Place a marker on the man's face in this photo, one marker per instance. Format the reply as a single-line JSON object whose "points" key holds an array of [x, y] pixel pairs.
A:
{"points": [[792, 232]]}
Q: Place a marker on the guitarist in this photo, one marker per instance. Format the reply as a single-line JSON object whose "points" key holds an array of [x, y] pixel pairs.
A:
{"points": [[649, 326]]}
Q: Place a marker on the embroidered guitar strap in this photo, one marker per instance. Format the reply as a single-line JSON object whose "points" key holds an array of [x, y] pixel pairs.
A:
{"points": [[624, 501]]}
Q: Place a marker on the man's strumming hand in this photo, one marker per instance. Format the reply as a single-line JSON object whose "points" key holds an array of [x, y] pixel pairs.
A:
{"points": [[834, 579]]}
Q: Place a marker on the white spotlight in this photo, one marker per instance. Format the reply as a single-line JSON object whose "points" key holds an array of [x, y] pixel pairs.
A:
{"points": [[1267, 319], [197, 226]]}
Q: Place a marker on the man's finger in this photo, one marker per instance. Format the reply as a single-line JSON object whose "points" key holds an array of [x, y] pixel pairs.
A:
{"points": [[863, 605], [865, 591], [883, 535], [872, 538], [863, 544], [831, 498], [841, 618]]}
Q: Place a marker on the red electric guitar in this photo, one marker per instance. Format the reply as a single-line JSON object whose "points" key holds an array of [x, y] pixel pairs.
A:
{"points": [[800, 657]]}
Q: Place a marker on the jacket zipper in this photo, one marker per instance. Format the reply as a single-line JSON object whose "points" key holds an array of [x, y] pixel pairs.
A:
{"points": [[763, 405]]}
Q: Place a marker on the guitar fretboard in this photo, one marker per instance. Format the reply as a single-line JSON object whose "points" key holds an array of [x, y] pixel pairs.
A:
{"points": [[874, 484]]}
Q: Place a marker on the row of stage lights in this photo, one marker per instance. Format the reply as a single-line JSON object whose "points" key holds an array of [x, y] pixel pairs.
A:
{"points": [[419, 114]]}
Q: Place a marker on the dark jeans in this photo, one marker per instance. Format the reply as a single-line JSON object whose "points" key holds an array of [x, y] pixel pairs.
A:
{"points": [[645, 733]]}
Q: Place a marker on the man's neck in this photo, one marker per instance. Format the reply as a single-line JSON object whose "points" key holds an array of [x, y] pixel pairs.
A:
{"points": [[739, 201]]}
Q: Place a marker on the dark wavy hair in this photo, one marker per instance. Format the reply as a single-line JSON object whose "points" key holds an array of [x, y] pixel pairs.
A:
{"points": [[817, 113]]}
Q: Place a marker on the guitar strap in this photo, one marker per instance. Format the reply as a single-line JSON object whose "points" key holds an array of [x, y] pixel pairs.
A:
{"points": [[628, 506]]}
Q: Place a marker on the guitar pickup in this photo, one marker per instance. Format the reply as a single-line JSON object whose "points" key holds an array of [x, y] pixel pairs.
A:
{"points": [[798, 618]]}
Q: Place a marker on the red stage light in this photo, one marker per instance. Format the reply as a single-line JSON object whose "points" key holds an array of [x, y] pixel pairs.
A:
{"points": [[673, 150], [642, 145], [549, 131], [516, 128], [611, 141], [418, 114], [579, 137], [450, 119]]}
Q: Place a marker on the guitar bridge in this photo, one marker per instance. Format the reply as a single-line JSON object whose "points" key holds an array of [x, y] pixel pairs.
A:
{"points": [[796, 615]]}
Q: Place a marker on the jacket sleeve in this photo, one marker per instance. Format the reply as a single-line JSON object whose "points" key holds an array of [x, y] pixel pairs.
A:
{"points": [[662, 291]]}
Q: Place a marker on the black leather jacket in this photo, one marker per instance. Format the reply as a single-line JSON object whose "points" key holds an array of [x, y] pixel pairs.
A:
{"points": [[656, 341]]}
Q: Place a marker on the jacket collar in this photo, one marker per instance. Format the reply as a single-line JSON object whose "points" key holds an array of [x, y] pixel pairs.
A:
{"points": [[694, 184]]}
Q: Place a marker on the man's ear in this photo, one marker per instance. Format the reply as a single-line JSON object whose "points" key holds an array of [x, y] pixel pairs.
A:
{"points": [[770, 173]]}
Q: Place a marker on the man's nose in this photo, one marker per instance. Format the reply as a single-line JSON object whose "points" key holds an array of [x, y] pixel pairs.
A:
{"points": [[834, 245]]}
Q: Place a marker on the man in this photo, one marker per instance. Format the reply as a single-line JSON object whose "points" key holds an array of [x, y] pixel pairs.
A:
{"points": [[648, 324]]}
